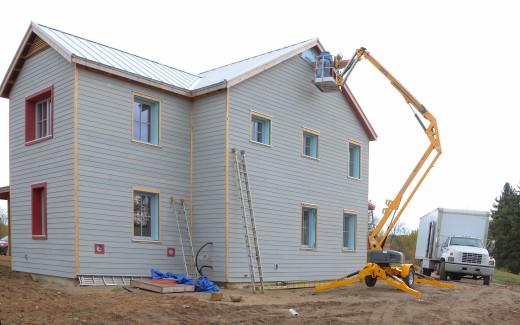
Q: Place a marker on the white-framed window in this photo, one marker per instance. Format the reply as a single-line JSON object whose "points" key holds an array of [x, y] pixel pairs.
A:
{"points": [[349, 230], [146, 120], [43, 118], [309, 226], [260, 128], [310, 143], [146, 215], [354, 160]]}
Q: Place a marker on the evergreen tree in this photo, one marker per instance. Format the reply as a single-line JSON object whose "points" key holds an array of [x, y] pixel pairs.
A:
{"points": [[505, 229]]}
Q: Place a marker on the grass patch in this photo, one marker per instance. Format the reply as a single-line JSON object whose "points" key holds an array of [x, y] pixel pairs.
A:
{"points": [[118, 289], [501, 275]]}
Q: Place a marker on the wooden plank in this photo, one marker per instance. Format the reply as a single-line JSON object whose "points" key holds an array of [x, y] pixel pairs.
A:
{"points": [[161, 286]]}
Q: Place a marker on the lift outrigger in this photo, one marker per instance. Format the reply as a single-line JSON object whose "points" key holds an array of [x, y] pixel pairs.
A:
{"points": [[381, 262]]}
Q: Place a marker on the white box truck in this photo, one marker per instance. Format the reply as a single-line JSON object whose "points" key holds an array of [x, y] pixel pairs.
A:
{"points": [[452, 243]]}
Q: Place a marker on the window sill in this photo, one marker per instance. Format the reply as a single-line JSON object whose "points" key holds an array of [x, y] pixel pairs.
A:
{"points": [[348, 250], [146, 241], [146, 144], [39, 237], [354, 178], [310, 157], [310, 249], [261, 144], [35, 141]]}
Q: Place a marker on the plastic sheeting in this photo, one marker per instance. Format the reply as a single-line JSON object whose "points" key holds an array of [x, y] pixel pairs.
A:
{"points": [[203, 284]]}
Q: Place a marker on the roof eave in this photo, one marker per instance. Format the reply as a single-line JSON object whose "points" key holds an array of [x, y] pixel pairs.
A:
{"points": [[365, 123], [209, 89], [4, 92], [5, 89], [253, 72], [136, 78], [49, 40]]}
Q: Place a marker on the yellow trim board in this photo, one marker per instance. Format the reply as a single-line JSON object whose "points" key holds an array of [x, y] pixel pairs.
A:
{"points": [[75, 171], [226, 191], [190, 189]]}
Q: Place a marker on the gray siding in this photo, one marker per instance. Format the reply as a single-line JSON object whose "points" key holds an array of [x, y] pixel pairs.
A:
{"points": [[282, 179], [208, 181], [110, 165], [50, 161]]}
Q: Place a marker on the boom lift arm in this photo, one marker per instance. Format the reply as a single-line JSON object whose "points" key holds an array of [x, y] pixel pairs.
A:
{"points": [[379, 261], [376, 241]]}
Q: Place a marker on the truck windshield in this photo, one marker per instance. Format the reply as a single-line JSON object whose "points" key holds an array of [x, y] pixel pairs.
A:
{"points": [[460, 241]]}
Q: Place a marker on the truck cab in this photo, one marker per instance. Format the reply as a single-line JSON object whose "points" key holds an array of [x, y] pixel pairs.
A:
{"points": [[462, 256]]}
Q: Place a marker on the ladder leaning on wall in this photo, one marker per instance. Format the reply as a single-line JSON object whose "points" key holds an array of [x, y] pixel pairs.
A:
{"points": [[248, 220], [185, 238]]}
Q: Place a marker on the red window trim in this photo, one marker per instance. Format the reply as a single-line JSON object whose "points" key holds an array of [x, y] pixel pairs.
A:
{"points": [[30, 122], [44, 187]]}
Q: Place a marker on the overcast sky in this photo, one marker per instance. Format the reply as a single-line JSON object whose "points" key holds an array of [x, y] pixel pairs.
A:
{"points": [[459, 58]]}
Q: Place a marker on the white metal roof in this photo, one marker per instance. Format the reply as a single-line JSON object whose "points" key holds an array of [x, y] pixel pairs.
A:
{"points": [[121, 60], [231, 71], [79, 47]]}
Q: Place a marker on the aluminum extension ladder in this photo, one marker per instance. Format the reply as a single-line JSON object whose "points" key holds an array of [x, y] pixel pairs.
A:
{"points": [[248, 220], [185, 238]]}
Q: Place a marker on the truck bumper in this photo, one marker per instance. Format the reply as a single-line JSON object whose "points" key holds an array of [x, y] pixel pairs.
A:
{"points": [[469, 269]]}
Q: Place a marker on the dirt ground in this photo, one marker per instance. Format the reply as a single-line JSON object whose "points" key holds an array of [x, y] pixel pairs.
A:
{"points": [[24, 301]]}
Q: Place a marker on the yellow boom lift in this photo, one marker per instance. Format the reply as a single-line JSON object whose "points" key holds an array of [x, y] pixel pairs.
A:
{"points": [[380, 261]]}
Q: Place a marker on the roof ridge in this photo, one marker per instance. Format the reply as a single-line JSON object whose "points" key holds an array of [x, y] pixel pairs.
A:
{"points": [[110, 47], [255, 56]]}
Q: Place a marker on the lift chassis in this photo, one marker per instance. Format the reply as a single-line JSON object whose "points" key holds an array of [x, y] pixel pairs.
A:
{"points": [[381, 263]]}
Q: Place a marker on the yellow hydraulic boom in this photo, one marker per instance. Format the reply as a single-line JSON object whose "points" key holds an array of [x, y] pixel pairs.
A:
{"points": [[379, 260]]}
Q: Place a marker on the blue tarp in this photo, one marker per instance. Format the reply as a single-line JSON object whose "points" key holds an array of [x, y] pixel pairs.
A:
{"points": [[203, 284], [179, 278]]}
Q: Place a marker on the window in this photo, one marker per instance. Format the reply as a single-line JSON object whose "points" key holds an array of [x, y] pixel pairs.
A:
{"points": [[39, 210], [309, 226], [349, 231], [354, 161], [146, 120], [260, 128], [39, 116], [146, 215], [310, 144]]}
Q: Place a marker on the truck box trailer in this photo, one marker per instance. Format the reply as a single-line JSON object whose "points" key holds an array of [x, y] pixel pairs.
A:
{"points": [[452, 243]]}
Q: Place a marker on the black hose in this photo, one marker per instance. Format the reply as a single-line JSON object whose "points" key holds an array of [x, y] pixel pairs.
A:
{"points": [[199, 270]]}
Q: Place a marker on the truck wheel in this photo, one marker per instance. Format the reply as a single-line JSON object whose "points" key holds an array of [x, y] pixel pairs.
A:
{"points": [[442, 271], [370, 281], [410, 278], [487, 279], [426, 271], [455, 277]]}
